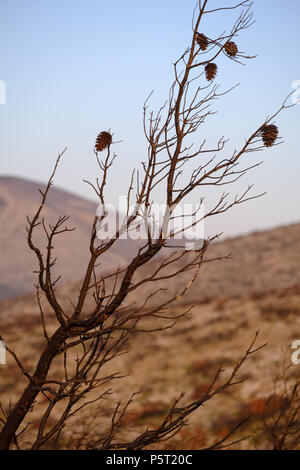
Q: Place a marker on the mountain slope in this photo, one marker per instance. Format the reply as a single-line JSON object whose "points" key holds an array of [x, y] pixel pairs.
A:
{"points": [[19, 198], [261, 261]]}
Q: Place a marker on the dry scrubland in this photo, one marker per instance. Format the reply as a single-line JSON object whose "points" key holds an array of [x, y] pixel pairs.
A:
{"points": [[258, 289]]}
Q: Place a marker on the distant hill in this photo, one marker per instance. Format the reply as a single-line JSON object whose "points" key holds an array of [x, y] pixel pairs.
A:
{"points": [[261, 261], [19, 198], [6, 291]]}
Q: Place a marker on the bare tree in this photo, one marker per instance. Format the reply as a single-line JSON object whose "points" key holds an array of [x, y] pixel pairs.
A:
{"points": [[180, 168]]}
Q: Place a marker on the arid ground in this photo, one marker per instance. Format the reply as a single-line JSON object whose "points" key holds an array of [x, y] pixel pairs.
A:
{"points": [[257, 289]]}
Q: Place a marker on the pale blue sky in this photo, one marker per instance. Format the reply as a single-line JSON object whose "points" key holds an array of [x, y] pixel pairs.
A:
{"points": [[73, 68]]}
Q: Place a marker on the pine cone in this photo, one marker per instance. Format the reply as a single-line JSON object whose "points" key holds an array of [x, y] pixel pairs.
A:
{"points": [[202, 41], [210, 71], [231, 48], [104, 139], [269, 135]]}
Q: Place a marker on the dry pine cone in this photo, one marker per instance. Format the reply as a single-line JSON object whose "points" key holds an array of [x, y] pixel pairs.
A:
{"points": [[269, 135], [231, 48], [104, 139], [210, 71], [202, 41]]}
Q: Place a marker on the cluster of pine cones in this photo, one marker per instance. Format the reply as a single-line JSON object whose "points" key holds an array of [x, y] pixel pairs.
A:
{"points": [[269, 133], [230, 47], [211, 69]]}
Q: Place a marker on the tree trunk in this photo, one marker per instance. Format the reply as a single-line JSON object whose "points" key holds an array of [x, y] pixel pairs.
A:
{"points": [[22, 407]]}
